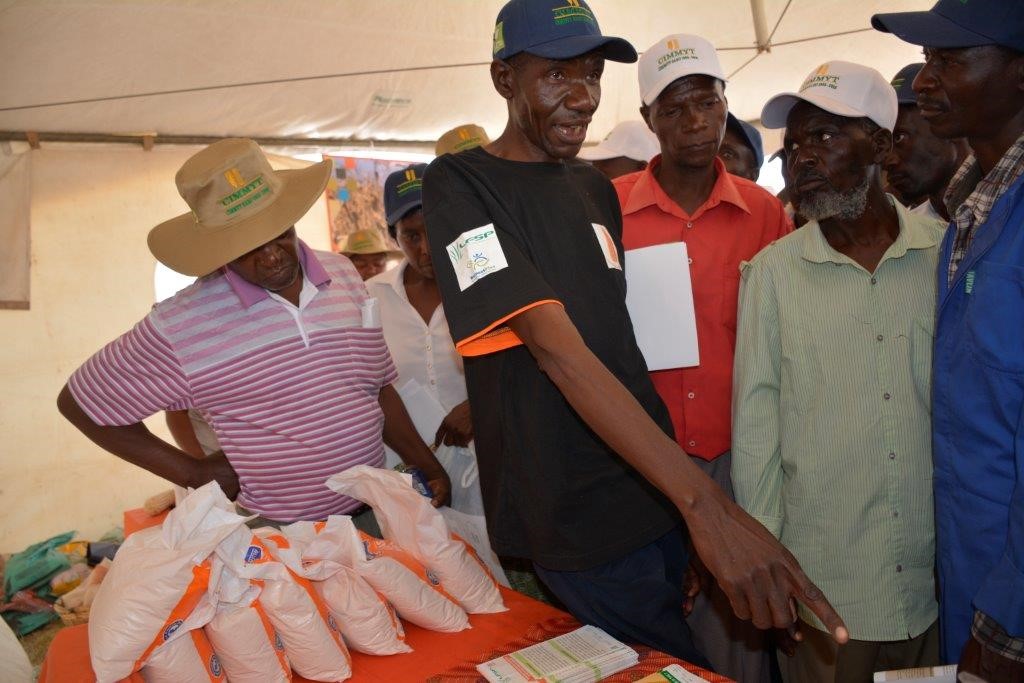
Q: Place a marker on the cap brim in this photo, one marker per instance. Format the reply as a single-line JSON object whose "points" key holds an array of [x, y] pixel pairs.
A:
{"points": [[777, 109], [928, 29], [612, 48], [399, 211], [599, 152], [183, 245]]}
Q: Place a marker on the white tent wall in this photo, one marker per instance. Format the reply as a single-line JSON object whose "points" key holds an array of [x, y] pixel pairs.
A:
{"points": [[92, 279], [91, 205]]}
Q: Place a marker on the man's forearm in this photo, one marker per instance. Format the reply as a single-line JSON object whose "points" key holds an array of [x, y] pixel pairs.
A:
{"points": [[134, 443]]}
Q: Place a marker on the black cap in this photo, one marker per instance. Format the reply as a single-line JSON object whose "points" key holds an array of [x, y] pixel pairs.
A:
{"points": [[403, 192], [959, 23], [556, 29], [749, 134], [902, 81]]}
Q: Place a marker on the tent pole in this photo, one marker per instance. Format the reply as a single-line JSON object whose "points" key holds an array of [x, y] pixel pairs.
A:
{"points": [[148, 139], [760, 26]]}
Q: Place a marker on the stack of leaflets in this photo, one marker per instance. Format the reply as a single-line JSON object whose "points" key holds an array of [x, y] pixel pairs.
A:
{"points": [[926, 674], [586, 654]]}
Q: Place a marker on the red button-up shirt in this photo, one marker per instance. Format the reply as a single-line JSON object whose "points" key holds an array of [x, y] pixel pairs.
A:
{"points": [[738, 219]]}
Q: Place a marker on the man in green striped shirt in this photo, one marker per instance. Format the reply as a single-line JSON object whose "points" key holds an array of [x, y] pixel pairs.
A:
{"points": [[831, 406]]}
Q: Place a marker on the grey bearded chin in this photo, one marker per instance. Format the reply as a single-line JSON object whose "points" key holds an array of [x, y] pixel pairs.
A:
{"points": [[845, 206]]}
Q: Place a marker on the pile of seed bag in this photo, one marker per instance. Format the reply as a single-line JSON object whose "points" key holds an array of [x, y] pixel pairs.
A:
{"points": [[205, 598]]}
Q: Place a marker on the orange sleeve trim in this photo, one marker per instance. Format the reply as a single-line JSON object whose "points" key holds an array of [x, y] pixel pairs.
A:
{"points": [[497, 336]]}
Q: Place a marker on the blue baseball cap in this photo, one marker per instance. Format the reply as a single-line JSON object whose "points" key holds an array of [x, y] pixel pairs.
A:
{"points": [[959, 23], [748, 134], [403, 192], [556, 29], [902, 81]]}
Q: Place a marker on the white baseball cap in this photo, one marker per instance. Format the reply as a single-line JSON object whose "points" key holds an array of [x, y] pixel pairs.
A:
{"points": [[841, 88], [631, 139], [673, 57]]}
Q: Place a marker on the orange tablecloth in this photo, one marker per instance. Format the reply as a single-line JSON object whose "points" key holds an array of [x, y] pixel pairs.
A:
{"points": [[436, 657]]}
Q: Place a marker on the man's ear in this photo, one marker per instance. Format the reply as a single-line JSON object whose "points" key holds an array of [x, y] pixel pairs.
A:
{"points": [[881, 142], [503, 77]]}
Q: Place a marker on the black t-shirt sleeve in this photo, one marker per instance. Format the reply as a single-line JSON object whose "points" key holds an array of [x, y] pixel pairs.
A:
{"points": [[479, 257]]}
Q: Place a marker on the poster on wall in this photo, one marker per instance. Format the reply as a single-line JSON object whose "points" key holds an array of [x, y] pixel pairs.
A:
{"points": [[355, 196]]}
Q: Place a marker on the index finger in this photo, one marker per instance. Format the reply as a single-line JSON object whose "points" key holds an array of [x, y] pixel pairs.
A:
{"points": [[812, 598]]}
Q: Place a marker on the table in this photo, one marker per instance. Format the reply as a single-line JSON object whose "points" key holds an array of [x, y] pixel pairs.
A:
{"points": [[436, 657]]}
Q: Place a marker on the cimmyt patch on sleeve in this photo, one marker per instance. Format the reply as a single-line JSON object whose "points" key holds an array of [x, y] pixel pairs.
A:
{"points": [[475, 254], [607, 244]]}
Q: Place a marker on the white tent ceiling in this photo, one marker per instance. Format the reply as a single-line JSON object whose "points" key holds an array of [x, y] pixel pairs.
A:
{"points": [[98, 55]]}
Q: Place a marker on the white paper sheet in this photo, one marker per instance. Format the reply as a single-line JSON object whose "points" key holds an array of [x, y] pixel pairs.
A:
{"points": [[659, 297]]}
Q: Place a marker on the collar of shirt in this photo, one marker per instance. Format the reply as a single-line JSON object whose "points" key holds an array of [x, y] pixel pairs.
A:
{"points": [[971, 195], [306, 295], [647, 191], [313, 272], [914, 234], [395, 279]]}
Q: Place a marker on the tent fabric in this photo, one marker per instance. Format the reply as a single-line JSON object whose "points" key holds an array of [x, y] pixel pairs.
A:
{"points": [[15, 198], [83, 51]]}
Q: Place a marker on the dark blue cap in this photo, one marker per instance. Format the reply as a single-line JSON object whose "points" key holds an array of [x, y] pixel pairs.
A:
{"points": [[902, 81], [748, 134], [959, 23], [556, 29], [403, 192]]}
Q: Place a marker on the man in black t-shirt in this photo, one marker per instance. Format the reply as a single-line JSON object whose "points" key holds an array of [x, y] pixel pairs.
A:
{"points": [[578, 466]]}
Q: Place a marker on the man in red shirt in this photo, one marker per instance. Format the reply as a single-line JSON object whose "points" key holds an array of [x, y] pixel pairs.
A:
{"points": [[686, 195]]}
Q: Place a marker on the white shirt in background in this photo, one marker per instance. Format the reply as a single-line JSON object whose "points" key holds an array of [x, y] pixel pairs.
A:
{"points": [[421, 352]]}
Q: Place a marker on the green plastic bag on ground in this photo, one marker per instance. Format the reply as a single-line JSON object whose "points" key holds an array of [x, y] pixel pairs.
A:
{"points": [[34, 566]]}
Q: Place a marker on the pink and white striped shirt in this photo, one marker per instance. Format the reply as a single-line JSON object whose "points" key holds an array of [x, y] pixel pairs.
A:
{"points": [[290, 405]]}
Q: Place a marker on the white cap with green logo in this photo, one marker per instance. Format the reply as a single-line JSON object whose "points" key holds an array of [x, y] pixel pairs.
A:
{"points": [[674, 57], [841, 88]]}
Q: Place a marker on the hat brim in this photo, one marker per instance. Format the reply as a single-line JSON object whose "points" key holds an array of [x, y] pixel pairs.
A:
{"points": [[599, 152], [928, 29], [612, 48], [776, 110], [402, 209], [668, 78], [188, 247], [392, 253]]}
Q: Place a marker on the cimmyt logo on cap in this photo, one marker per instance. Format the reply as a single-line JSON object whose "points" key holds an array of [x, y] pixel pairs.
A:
{"points": [[464, 134], [676, 54], [821, 79], [411, 182], [573, 12], [234, 178]]}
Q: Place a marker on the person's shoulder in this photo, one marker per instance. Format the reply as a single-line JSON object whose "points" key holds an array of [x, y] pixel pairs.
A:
{"points": [[338, 266], [758, 198], [624, 183], [780, 253], [192, 297]]}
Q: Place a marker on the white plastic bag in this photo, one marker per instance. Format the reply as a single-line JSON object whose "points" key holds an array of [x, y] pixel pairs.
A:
{"points": [[408, 519], [243, 637], [311, 638], [157, 580], [415, 592], [366, 619], [186, 659]]}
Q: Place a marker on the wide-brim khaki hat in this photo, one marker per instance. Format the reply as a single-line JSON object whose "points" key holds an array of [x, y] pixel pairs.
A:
{"points": [[368, 241], [238, 203]]}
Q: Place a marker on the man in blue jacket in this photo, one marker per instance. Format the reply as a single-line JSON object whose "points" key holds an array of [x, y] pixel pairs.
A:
{"points": [[972, 86]]}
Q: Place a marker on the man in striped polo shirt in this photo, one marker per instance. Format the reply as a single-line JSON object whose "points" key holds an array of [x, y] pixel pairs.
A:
{"points": [[278, 346], [831, 387]]}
